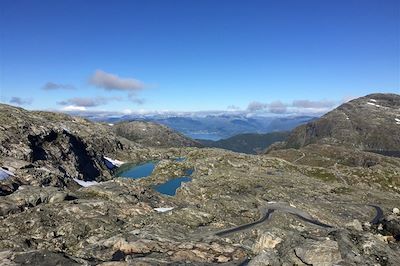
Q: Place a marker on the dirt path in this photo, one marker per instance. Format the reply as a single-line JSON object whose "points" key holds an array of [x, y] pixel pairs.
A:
{"points": [[301, 157], [338, 174]]}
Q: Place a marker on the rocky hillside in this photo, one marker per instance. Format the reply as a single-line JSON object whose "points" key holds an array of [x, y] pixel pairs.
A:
{"points": [[368, 123], [153, 134], [318, 205], [251, 143], [117, 223], [44, 148]]}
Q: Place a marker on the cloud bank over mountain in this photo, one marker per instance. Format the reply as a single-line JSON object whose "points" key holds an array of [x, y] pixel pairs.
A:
{"points": [[89, 102], [296, 106]]}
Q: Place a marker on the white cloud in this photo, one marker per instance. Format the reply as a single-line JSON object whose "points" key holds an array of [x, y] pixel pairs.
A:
{"points": [[133, 98], [111, 82], [57, 86], [296, 107], [88, 101], [73, 108], [277, 107], [127, 111], [313, 104], [85, 102], [233, 108], [256, 106], [21, 101]]}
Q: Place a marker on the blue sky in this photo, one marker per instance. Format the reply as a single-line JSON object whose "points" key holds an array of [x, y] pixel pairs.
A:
{"points": [[196, 55]]}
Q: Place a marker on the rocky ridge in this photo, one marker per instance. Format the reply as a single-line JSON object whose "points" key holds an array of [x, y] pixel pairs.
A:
{"points": [[50, 149], [369, 123], [153, 135]]}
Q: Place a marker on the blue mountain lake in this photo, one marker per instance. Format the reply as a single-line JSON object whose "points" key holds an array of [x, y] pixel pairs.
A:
{"points": [[170, 187], [138, 171]]}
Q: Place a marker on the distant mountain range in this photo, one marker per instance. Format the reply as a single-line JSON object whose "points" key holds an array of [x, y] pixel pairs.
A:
{"points": [[215, 127]]}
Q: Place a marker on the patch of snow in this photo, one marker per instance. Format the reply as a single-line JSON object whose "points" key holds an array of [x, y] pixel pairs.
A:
{"points": [[163, 209], [110, 163], [143, 129], [85, 183], [4, 174], [66, 129], [372, 100], [110, 124], [374, 104]]}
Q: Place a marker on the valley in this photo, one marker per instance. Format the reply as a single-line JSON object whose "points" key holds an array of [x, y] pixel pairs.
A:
{"points": [[210, 126]]}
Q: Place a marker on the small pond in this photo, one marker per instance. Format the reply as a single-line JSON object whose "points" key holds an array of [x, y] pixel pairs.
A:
{"points": [[387, 153], [137, 171], [170, 187]]}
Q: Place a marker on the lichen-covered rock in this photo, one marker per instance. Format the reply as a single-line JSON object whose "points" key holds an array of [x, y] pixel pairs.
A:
{"points": [[324, 253], [30, 196], [37, 257]]}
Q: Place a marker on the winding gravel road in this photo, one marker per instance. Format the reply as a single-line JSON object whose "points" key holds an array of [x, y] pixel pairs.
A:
{"points": [[267, 211]]}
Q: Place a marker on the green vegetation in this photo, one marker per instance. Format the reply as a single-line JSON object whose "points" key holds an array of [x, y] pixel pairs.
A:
{"points": [[321, 173]]}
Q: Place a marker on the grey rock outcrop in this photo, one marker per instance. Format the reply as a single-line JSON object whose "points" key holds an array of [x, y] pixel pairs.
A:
{"points": [[367, 123], [153, 135], [46, 148]]}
